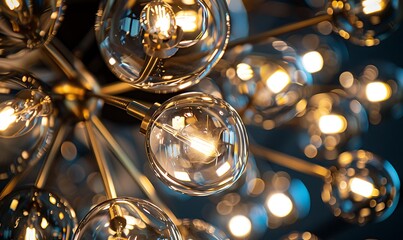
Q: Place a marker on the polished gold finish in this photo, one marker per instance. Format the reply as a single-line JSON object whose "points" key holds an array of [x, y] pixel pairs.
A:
{"points": [[116, 88], [290, 162]]}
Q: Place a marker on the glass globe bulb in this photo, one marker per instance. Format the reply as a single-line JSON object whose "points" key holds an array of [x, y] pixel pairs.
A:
{"points": [[362, 188], [26, 123], [28, 24], [124, 219], [36, 214], [268, 89], [192, 229], [365, 22], [174, 32], [197, 144]]}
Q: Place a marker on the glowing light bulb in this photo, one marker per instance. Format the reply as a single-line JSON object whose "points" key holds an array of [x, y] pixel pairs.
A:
{"points": [[240, 226], [204, 151], [332, 124], [19, 115], [361, 187], [244, 71], [187, 20], [13, 4], [377, 91], [278, 81], [158, 19], [279, 204], [30, 234], [312, 61], [373, 6]]}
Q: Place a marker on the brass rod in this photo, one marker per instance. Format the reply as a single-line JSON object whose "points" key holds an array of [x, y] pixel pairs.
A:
{"points": [[116, 88], [143, 182], [291, 162], [53, 52], [14, 182], [47, 164], [263, 37], [149, 66], [101, 161]]}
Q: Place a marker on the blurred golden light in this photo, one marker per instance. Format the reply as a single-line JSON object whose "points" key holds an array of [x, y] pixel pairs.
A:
{"points": [[240, 226], [187, 20], [7, 117], [278, 81], [361, 187], [377, 91], [30, 234], [332, 123], [312, 61], [13, 4], [203, 146], [182, 176], [244, 71], [372, 6], [279, 204], [44, 223]]}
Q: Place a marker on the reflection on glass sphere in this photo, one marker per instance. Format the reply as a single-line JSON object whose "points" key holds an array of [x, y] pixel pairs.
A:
{"points": [[365, 22], [28, 24], [33, 213], [300, 236], [126, 219], [267, 89], [26, 125], [362, 188], [379, 87], [197, 144], [152, 49], [333, 124], [195, 229]]}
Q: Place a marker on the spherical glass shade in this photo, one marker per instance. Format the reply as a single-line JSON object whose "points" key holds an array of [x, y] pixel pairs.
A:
{"points": [[195, 229], [365, 22], [26, 126], [334, 124], [197, 144], [28, 24], [267, 89], [33, 213], [362, 188], [126, 219], [165, 50]]}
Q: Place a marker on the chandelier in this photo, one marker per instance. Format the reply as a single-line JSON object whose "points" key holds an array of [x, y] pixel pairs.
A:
{"points": [[184, 85]]}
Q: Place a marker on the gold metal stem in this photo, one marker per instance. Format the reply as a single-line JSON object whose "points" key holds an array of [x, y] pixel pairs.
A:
{"points": [[14, 182], [116, 88], [143, 182], [263, 37], [101, 161], [149, 66], [47, 164], [291, 162], [64, 65]]}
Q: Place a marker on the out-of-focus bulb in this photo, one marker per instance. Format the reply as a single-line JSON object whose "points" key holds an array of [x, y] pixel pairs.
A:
{"points": [[279, 204], [19, 115], [332, 124], [13, 4], [361, 187], [240, 226], [187, 20], [30, 234], [158, 20], [373, 6], [278, 81], [244, 71], [377, 91], [312, 61]]}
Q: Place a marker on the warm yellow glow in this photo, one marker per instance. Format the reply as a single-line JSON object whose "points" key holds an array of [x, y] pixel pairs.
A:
{"points": [[240, 226], [278, 81], [332, 123], [178, 122], [52, 200], [372, 6], [279, 204], [30, 234], [44, 223], [13, 4], [244, 71], [163, 21], [7, 117], [203, 146], [223, 169], [361, 187], [312, 61], [182, 176], [378, 91], [187, 20]]}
